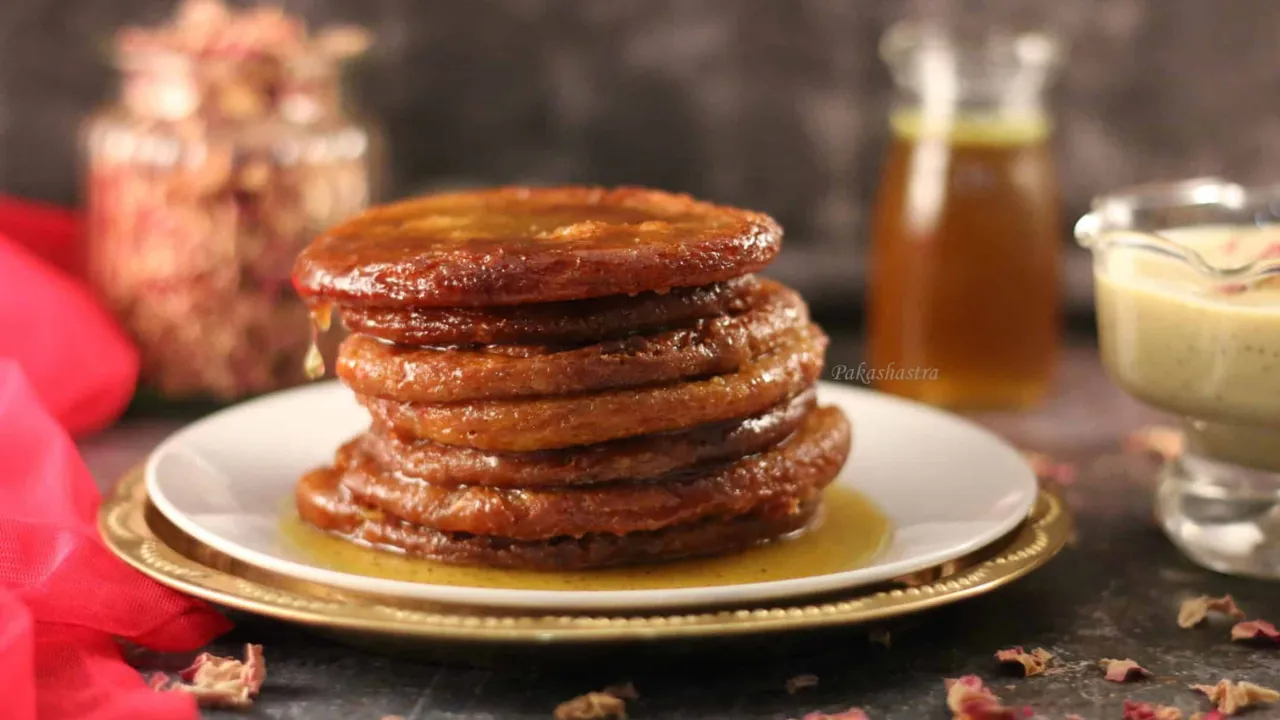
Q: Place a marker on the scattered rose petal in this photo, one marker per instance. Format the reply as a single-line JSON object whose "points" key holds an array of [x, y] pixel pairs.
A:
{"points": [[969, 699], [1194, 610], [850, 714], [592, 706], [1211, 715], [1073, 716], [965, 688], [625, 691], [1255, 630], [1231, 697], [1163, 440], [226, 696], [209, 669], [800, 682], [1033, 663], [978, 710], [219, 681], [1122, 670], [1049, 469], [1134, 710], [255, 668]]}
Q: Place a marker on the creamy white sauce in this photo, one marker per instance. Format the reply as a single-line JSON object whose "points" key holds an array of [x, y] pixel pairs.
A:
{"points": [[1183, 341]]}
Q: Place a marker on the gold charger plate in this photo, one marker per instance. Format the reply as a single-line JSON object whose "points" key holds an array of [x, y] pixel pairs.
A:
{"points": [[141, 536]]}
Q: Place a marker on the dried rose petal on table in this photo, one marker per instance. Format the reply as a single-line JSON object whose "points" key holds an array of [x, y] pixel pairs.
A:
{"points": [[227, 697], [1166, 441], [964, 689], [207, 668], [1122, 670], [987, 711], [1134, 710], [1231, 697], [1255, 630], [592, 706], [217, 681], [1033, 663], [969, 699], [1194, 610]]}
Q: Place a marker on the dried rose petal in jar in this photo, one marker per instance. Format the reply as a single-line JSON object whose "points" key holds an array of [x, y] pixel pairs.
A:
{"points": [[230, 147]]}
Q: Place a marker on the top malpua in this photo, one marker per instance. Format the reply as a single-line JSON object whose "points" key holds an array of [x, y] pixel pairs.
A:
{"points": [[515, 245]]}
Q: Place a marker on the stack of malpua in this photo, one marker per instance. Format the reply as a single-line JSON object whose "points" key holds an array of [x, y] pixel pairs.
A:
{"points": [[569, 378]]}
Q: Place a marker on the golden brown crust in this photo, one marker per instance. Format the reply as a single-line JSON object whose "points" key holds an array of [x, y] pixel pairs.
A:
{"points": [[711, 347], [796, 469], [324, 503], [573, 322], [635, 458], [524, 424], [509, 246]]}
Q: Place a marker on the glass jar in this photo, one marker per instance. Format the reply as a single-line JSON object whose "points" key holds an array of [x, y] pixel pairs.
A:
{"points": [[963, 290], [204, 181], [1187, 279]]}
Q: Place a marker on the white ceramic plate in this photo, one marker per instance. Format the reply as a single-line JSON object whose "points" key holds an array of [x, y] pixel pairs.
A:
{"points": [[949, 487]]}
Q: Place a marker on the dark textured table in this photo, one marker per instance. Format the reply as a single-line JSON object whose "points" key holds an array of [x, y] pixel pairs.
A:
{"points": [[1115, 593]]}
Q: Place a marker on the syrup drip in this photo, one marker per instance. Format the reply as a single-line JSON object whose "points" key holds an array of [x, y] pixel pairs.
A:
{"points": [[313, 365], [851, 532]]}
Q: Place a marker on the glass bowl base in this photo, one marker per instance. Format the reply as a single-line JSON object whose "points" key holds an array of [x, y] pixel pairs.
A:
{"points": [[1225, 517]]}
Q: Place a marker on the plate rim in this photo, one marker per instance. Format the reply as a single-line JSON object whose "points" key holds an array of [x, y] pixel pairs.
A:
{"points": [[606, 600], [126, 533]]}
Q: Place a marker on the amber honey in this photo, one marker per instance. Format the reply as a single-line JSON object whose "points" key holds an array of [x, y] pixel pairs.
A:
{"points": [[850, 532], [964, 278]]}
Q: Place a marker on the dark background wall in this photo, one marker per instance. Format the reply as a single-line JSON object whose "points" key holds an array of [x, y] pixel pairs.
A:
{"points": [[773, 104]]}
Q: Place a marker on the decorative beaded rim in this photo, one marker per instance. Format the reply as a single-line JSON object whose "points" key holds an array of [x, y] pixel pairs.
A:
{"points": [[142, 538]]}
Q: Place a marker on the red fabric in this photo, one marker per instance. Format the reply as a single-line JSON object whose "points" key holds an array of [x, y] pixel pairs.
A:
{"points": [[63, 596], [52, 233], [80, 362]]}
